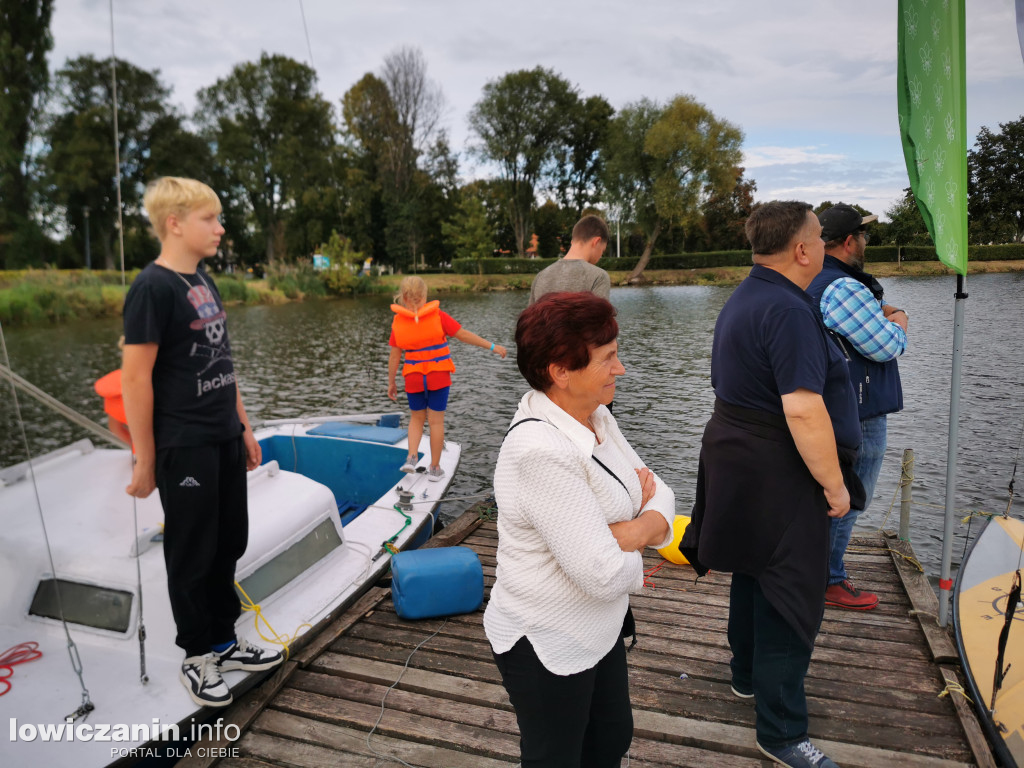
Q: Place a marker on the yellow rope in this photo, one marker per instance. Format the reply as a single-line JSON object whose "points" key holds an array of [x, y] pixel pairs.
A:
{"points": [[955, 688], [283, 640], [909, 558]]}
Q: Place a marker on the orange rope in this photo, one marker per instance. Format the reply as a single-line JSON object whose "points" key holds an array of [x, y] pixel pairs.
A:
{"points": [[650, 572]]}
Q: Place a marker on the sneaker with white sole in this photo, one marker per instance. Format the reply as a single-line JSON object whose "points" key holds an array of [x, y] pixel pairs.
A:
{"points": [[741, 692], [201, 677], [410, 464], [248, 657], [434, 474], [801, 755]]}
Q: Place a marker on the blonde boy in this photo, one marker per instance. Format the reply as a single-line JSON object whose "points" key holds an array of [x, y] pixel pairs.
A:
{"points": [[421, 330], [192, 438]]}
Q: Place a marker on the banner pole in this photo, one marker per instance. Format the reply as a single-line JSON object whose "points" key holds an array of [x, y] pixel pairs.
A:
{"points": [[945, 582]]}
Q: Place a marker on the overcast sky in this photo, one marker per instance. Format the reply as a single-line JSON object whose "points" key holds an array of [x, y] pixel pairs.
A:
{"points": [[811, 84]]}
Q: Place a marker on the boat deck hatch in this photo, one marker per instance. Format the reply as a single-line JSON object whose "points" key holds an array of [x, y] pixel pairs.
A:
{"points": [[86, 604], [298, 558]]}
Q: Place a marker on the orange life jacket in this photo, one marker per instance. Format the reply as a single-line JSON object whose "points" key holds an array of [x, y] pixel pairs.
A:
{"points": [[109, 388], [420, 336]]}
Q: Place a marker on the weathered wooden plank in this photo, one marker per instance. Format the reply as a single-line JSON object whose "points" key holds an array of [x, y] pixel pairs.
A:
{"points": [[458, 529], [738, 740], [244, 762], [349, 740], [278, 751], [924, 602], [680, 627], [650, 754], [417, 680], [401, 700], [834, 665], [415, 727], [968, 719], [361, 607]]}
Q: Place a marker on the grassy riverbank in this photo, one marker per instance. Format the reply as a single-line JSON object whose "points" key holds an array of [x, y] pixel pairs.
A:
{"points": [[38, 297]]}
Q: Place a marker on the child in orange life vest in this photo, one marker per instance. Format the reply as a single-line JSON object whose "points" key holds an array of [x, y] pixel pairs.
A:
{"points": [[421, 331]]}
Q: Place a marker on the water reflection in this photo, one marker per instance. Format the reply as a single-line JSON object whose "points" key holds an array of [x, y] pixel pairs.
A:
{"points": [[332, 356]]}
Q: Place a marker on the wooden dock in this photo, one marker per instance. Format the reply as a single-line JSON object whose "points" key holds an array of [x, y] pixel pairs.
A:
{"points": [[873, 685]]}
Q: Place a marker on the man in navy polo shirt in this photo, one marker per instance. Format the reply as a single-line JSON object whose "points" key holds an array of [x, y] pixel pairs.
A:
{"points": [[775, 466]]}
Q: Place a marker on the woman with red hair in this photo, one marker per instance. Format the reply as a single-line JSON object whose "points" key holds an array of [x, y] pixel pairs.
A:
{"points": [[576, 508]]}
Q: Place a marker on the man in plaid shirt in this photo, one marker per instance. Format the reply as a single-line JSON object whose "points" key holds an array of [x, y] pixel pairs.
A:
{"points": [[873, 334]]}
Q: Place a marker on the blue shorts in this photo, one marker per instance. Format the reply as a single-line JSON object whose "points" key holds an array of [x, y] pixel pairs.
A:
{"points": [[434, 399]]}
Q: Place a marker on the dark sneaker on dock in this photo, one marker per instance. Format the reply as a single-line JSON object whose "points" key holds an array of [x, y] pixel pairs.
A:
{"points": [[742, 692], [845, 595], [802, 755]]}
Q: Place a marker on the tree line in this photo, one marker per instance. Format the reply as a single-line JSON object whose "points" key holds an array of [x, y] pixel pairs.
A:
{"points": [[375, 175]]}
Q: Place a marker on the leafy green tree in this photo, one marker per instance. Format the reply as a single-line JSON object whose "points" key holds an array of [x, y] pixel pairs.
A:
{"points": [[393, 124], [491, 194], [24, 42], [906, 224], [272, 131], [79, 171], [520, 125], [996, 184], [723, 218], [553, 229], [469, 232], [579, 160], [664, 162], [343, 277]]}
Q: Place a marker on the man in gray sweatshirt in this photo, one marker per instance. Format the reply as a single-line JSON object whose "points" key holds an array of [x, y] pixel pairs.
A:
{"points": [[577, 270]]}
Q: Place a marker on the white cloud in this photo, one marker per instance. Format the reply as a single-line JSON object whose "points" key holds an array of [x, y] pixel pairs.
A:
{"points": [[762, 157]]}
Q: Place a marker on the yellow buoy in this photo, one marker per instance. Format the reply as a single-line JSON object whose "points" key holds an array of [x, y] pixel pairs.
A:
{"points": [[671, 551]]}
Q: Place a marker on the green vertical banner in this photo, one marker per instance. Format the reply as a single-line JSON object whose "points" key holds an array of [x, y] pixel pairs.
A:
{"points": [[932, 101]]}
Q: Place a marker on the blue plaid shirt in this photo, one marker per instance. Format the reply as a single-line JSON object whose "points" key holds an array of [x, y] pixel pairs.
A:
{"points": [[852, 311]]}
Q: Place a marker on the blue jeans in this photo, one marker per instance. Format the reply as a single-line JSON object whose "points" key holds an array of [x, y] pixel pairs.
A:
{"points": [[867, 467], [769, 659]]}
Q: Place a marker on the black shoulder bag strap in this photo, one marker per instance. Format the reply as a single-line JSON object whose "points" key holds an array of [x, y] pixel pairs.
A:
{"points": [[600, 463], [628, 622]]}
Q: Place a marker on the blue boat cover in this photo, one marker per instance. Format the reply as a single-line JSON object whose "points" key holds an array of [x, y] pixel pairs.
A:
{"points": [[367, 432]]}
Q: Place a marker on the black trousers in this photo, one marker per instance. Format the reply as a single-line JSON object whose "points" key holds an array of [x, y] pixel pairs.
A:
{"points": [[769, 658], [206, 528], [569, 721]]}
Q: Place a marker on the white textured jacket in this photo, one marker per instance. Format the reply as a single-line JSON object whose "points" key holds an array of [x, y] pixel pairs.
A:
{"points": [[562, 580]]}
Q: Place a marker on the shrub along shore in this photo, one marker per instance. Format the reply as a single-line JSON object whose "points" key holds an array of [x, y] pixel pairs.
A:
{"points": [[39, 297]]}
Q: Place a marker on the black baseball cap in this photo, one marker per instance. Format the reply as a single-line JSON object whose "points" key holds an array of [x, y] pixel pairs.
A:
{"points": [[840, 221]]}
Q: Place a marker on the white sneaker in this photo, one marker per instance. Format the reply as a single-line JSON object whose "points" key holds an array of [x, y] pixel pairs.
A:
{"points": [[410, 464], [434, 474], [248, 657], [201, 677]]}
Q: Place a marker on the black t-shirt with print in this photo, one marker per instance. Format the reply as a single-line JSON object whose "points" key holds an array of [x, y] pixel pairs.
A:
{"points": [[194, 387]]}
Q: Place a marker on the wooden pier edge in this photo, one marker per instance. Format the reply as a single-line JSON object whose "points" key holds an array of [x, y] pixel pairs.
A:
{"points": [[926, 609], [205, 752]]}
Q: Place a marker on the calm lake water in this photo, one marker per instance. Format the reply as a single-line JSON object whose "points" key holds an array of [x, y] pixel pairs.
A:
{"points": [[331, 356]]}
